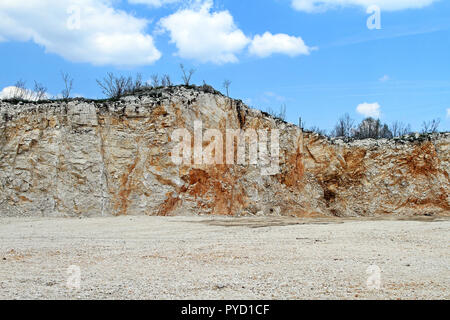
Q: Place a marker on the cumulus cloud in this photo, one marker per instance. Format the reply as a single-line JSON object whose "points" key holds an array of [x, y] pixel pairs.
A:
{"points": [[369, 109], [153, 3], [388, 5], [268, 44], [201, 34], [89, 31], [205, 36]]}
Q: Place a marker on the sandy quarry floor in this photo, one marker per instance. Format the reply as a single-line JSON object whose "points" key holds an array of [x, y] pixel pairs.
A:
{"points": [[219, 258]]}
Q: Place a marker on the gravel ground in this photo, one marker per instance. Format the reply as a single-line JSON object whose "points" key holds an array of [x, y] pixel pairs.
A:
{"points": [[223, 258]]}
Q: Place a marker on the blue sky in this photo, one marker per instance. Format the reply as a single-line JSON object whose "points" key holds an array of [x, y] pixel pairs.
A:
{"points": [[317, 57]]}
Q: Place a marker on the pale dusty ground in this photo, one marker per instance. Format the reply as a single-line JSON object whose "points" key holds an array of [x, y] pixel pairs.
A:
{"points": [[220, 258]]}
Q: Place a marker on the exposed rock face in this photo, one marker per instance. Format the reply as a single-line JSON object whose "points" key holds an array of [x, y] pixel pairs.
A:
{"points": [[114, 158]]}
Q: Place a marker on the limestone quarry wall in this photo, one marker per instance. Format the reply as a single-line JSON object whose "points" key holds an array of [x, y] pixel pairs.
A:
{"points": [[95, 158]]}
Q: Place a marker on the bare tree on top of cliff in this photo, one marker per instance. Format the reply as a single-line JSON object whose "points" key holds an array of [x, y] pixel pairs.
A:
{"points": [[371, 128], [431, 126], [399, 129], [155, 80], [68, 83], [40, 91], [344, 127], [318, 130], [226, 85], [20, 91], [137, 83], [165, 81], [187, 75], [116, 87], [280, 114]]}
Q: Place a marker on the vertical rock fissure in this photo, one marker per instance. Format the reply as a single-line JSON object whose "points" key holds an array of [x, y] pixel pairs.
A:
{"points": [[103, 172]]}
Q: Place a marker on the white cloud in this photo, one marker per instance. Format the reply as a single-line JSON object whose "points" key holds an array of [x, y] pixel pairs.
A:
{"points": [[268, 44], [89, 31], [369, 109], [448, 113], [385, 78], [205, 36], [388, 5], [7, 92], [153, 3], [12, 91]]}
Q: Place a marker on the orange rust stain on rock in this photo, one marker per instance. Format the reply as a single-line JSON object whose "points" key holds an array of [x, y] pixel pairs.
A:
{"points": [[179, 119], [423, 160], [439, 202], [169, 205], [159, 111], [199, 180], [215, 189], [294, 170], [354, 161], [25, 199], [126, 187], [165, 181], [223, 126]]}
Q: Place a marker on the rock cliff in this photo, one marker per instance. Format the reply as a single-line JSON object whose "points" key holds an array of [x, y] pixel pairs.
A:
{"points": [[84, 157]]}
